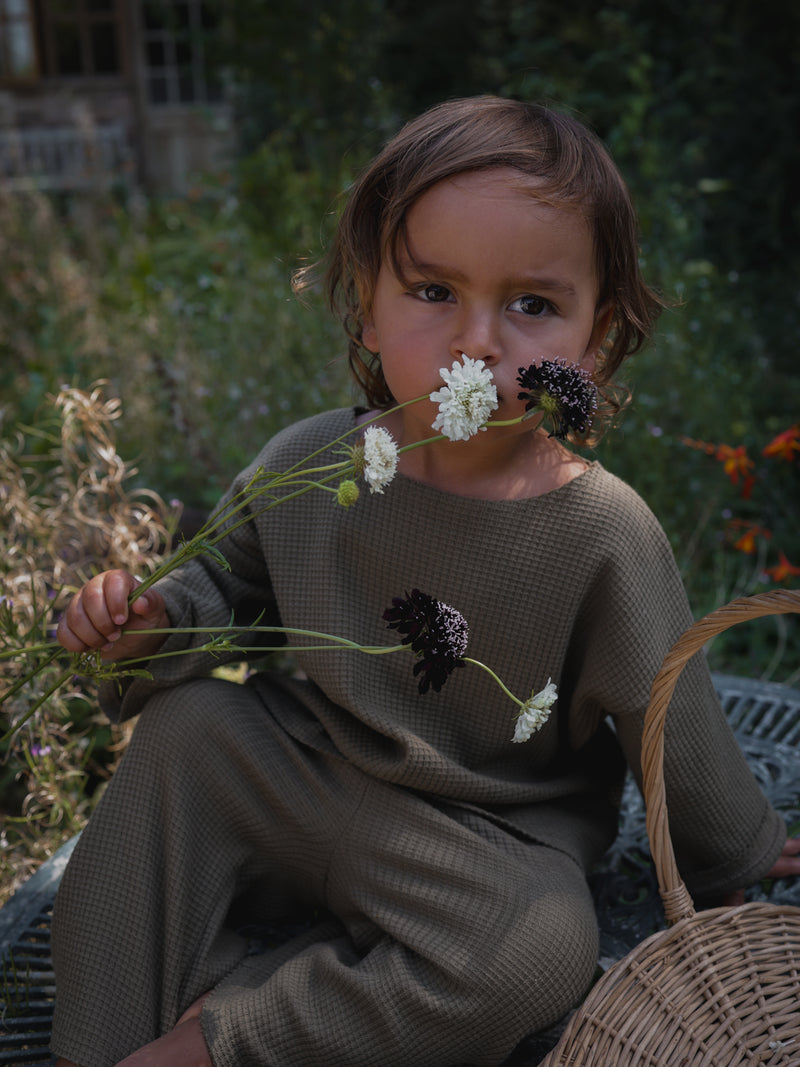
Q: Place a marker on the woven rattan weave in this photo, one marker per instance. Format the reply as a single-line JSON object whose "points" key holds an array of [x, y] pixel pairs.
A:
{"points": [[717, 988]]}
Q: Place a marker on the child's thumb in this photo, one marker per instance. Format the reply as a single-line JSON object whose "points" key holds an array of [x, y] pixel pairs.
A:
{"points": [[148, 603]]}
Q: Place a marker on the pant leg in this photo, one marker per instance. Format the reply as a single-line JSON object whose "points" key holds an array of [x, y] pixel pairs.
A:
{"points": [[460, 940], [209, 800], [454, 940]]}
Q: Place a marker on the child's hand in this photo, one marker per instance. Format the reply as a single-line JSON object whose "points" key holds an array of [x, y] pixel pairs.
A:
{"points": [[787, 865], [98, 613]]}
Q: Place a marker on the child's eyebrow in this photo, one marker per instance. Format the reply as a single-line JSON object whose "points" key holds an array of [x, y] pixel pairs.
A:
{"points": [[551, 285]]}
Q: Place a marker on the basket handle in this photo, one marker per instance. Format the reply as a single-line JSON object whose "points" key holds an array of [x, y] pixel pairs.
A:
{"points": [[677, 901]]}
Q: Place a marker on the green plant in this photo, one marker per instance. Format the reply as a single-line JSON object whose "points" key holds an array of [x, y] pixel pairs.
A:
{"points": [[14, 987], [187, 312]]}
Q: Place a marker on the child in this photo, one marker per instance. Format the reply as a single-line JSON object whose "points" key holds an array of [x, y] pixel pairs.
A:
{"points": [[447, 865]]}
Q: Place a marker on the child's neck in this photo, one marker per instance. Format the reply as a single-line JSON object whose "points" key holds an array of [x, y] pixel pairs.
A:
{"points": [[491, 465]]}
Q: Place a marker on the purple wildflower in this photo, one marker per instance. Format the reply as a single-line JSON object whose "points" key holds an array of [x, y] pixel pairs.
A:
{"points": [[436, 632], [563, 391]]}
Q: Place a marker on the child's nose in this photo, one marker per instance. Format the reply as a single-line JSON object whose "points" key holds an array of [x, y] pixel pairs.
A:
{"points": [[477, 334]]}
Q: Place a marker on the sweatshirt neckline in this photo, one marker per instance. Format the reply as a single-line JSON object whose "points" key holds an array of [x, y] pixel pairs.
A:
{"points": [[412, 484]]}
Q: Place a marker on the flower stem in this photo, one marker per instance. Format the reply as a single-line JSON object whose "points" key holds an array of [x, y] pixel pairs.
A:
{"points": [[209, 535], [56, 685], [503, 686], [515, 421]]}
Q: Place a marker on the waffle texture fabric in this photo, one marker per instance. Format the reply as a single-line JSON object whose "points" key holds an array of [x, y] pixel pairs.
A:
{"points": [[446, 864]]}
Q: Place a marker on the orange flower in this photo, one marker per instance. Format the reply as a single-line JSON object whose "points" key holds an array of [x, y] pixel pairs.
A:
{"points": [[783, 570], [737, 464], [747, 542], [701, 446], [785, 445]]}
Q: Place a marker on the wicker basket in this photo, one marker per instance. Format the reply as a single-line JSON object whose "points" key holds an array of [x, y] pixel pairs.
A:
{"points": [[719, 987]]}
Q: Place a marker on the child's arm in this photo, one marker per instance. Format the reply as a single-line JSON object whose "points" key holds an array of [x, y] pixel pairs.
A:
{"points": [[100, 610]]}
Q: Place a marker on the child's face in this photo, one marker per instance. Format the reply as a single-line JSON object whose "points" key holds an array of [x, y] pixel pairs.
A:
{"points": [[490, 272]]}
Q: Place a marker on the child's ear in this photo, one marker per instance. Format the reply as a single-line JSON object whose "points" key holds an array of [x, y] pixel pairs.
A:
{"points": [[369, 335], [602, 324]]}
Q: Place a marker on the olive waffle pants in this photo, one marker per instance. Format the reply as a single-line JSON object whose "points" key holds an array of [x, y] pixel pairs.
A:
{"points": [[442, 939]]}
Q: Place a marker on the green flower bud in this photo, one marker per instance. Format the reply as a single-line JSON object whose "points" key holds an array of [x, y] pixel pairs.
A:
{"points": [[347, 493]]}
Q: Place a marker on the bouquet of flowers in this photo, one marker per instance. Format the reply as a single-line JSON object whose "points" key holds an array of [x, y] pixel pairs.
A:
{"points": [[436, 633]]}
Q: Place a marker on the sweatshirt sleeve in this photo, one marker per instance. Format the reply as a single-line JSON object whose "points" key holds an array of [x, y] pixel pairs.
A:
{"points": [[725, 833], [206, 593]]}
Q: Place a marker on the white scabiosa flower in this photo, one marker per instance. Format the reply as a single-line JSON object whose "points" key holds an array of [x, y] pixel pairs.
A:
{"points": [[380, 458], [467, 399], [535, 712]]}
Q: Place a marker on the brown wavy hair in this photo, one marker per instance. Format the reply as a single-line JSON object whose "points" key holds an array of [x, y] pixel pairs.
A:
{"points": [[571, 168]]}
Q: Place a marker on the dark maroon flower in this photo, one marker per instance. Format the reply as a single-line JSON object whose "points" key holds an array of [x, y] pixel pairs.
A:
{"points": [[436, 632], [563, 391]]}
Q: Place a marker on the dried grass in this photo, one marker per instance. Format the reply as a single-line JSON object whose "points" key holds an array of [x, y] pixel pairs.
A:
{"points": [[66, 512]]}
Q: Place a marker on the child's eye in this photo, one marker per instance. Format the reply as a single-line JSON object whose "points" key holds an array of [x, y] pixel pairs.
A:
{"points": [[437, 294], [531, 305]]}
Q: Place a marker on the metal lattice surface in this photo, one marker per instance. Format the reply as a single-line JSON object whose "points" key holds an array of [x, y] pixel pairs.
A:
{"points": [[27, 989], [766, 719], [26, 1011]]}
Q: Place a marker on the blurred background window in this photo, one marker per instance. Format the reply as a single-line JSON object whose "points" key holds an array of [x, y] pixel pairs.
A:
{"points": [[17, 44]]}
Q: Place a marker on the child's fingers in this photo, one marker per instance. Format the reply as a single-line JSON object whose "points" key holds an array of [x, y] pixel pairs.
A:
{"points": [[105, 604], [76, 633], [96, 614], [786, 866], [788, 863], [117, 587], [84, 625]]}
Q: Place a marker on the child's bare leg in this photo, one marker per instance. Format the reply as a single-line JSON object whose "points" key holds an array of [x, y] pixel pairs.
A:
{"points": [[184, 1045], [194, 1010]]}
